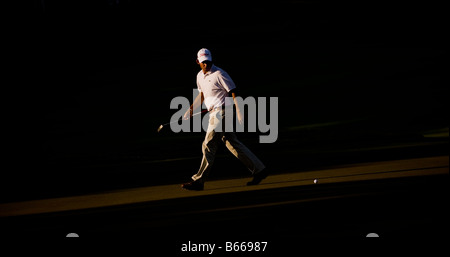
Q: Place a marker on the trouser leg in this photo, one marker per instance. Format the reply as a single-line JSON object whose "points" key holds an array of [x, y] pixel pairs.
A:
{"points": [[209, 149], [244, 154], [210, 145]]}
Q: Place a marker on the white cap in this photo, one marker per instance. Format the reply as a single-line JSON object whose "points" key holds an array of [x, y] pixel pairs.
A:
{"points": [[204, 55]]}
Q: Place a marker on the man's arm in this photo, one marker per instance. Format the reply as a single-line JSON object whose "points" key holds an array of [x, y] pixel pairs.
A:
{"points": [[196, 104], [238, 109]]}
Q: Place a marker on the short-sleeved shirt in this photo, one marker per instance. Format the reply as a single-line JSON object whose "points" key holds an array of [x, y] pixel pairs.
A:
{"points": [[215, 86]]}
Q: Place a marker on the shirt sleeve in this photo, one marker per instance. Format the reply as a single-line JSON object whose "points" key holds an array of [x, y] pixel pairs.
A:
{"points": [[198, 85], [226, 81]]}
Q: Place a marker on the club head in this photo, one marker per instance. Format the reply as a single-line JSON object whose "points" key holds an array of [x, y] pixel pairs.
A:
{"points": [[160, 127]]}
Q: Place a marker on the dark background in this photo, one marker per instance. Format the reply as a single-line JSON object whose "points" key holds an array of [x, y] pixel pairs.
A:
{"points": [[89, 82]]}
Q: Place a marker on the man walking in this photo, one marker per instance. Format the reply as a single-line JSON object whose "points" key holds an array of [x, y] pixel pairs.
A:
{"points": [[215, 85]]}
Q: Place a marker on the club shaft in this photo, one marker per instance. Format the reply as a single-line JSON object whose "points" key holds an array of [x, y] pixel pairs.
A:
{"points": [[182, 118]]}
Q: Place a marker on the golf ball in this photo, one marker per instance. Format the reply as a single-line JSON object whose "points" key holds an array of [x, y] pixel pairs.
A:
{"points": [[315, 181]]}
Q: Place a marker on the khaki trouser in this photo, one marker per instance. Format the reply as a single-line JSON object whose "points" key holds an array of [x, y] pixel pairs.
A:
{"points": [[211, 143]]}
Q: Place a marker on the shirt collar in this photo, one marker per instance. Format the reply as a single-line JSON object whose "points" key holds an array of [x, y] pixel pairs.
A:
{"points": [[213, 69]]}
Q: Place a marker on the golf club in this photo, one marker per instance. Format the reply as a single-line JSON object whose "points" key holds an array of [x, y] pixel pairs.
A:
{"points": [[162, 126]]}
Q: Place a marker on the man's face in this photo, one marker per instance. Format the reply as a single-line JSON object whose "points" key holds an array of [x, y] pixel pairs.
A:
{"points": [[202, 65]]}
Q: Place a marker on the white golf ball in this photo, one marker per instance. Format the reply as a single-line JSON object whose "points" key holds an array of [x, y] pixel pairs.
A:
{"points": [[315, 181]]}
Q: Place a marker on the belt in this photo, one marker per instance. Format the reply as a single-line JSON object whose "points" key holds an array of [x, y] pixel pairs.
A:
{"points": [[222, 107]]}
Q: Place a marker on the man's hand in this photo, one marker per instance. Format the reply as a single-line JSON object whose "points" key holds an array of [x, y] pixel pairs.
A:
{"points": [[239, 116], [188, 114]]}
